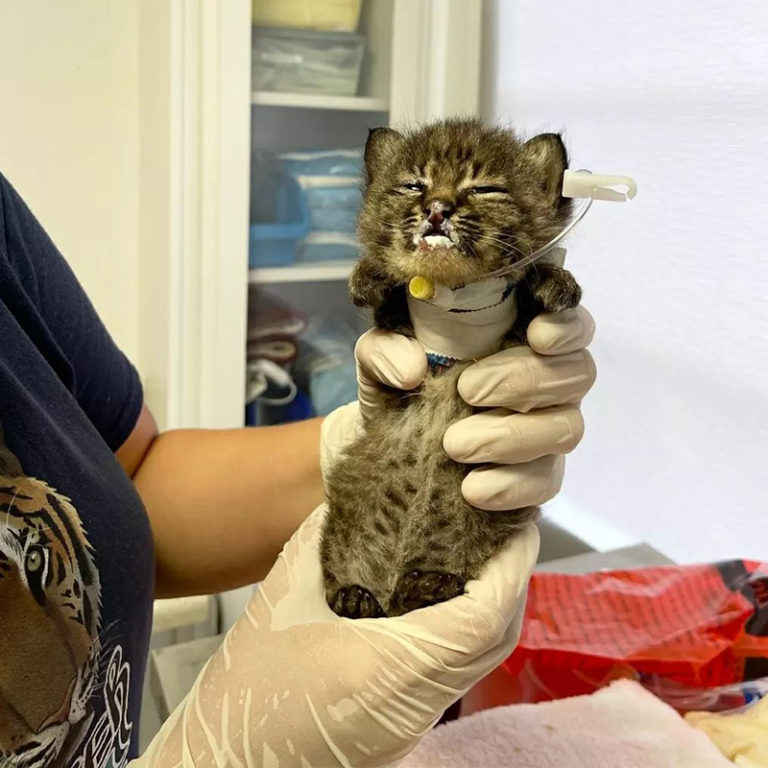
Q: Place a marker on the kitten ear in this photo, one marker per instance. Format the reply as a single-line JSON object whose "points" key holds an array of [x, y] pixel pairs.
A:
{"points": [[547, 156], [380, 149]]}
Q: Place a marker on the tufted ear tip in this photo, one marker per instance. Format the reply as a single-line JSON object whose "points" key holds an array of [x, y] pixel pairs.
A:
{"points": [[380, 147], [547, 156]]}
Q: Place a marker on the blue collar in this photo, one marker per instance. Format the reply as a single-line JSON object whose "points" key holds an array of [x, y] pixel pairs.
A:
{"points": [[437, 362]]}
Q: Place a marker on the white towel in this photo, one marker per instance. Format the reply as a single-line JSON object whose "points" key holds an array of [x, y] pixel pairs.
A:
{"points": [[622, 726]]}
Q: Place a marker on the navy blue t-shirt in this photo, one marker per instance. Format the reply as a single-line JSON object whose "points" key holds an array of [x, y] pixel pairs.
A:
{"points": [[76, 554]]}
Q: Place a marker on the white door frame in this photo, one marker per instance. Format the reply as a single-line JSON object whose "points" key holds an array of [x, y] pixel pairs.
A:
{"points": [[436, 50], [195, 150]]}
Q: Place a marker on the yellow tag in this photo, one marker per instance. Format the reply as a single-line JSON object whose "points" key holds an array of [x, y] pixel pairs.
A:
{"points": [[421, 288]]}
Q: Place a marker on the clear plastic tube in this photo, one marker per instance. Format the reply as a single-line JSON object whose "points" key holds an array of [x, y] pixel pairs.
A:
{"points": [[539, 252]]}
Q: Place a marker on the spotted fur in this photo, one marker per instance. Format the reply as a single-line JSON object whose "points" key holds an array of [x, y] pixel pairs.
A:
{"points": [[399, 534]]}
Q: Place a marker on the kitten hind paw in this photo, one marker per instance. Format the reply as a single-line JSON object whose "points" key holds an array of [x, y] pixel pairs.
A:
{"points": [[418, 589], [355, 602]]}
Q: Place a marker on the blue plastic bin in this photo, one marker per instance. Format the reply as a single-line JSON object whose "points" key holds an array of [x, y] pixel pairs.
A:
{"points": [[330, 180], [280, 219], [334, 208]]}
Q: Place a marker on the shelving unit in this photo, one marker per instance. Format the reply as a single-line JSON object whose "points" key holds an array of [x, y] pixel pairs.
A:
{"points": [[412, 71], [294, 122], [313, 101]]}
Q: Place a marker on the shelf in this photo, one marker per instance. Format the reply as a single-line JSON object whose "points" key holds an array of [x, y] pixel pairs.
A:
{"points": [[302, 273], [319, 101]]}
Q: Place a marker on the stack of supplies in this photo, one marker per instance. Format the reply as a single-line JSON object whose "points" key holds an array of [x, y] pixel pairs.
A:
{"points": [[306, 61], [329, 15], [325, 367], [694, 635], [273, 331], [314, 197], [307, 46], [297, 366]]}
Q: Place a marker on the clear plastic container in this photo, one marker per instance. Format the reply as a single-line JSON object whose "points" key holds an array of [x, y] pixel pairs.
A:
{"points": [[341, 15], [330, 180], [330, 183], [323, 162], [333, 201], [304, 61]]}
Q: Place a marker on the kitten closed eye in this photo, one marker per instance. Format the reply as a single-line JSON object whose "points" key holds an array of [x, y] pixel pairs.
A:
{"points": [[413, 186], [487, 190]]}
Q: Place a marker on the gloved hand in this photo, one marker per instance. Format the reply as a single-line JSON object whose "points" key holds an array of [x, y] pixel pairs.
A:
{"points": [[295, 685], [534, 391]]}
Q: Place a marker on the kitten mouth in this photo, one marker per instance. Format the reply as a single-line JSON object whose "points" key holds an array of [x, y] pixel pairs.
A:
{"points": [[431, 237], [432, 242]]}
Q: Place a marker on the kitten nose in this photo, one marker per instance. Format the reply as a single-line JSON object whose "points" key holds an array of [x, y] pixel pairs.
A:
{"points": [[437, 212]]}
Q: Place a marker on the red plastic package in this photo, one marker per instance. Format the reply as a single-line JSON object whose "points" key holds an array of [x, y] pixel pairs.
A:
{"points": [[686, 632]]}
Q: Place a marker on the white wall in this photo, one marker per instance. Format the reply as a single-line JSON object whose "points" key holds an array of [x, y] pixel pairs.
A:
{"points": [[69, 139], [675, 94]]}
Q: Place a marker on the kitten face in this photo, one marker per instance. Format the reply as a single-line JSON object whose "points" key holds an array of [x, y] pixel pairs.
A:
{"points": [[455, 200]]}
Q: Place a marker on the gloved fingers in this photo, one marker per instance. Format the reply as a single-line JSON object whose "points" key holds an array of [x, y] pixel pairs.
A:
{"points": [[465, 628], [514, 486], [521, 380], [390, 359], [559, 333], [500, 436]]}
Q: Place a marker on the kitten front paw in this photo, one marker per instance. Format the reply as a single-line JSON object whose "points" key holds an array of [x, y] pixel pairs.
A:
{"points": [[558, 292], [418, 589], [355, 602]]}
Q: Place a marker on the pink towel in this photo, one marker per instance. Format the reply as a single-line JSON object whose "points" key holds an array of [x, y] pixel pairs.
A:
{"points": [[622, 726]]}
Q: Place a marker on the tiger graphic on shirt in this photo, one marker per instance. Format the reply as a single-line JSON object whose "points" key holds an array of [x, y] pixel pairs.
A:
{"points": [[50, 653]]}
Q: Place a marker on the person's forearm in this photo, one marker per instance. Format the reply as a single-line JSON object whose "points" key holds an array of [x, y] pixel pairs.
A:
{"points": [[223, 502]]}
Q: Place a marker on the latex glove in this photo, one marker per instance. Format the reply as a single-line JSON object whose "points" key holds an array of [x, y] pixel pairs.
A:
{"points": [[295, 685], [534, 392]]}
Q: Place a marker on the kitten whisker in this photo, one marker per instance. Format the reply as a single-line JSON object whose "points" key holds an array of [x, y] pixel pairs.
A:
{"points": [[505, 245]]}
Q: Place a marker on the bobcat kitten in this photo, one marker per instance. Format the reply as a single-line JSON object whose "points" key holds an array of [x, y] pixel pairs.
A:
{"points": [[451, 201]]}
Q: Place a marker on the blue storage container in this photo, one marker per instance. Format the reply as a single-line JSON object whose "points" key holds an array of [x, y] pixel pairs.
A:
{"points": [[279, 220], [304, 206], [334, 202]]}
